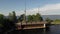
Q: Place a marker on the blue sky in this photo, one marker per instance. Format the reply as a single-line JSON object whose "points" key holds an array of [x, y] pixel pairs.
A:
{"points": [[18, 6]]}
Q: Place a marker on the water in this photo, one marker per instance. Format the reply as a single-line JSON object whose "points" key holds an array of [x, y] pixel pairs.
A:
{"points": [[53, 29]]}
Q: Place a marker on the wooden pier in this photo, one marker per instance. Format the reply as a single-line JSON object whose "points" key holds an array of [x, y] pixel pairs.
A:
{"points": [[31, 25]]}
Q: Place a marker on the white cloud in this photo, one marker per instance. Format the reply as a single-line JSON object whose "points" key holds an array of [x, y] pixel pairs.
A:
{"points": [[28, 12], [48, 9], [51, 9], [18, 13]]}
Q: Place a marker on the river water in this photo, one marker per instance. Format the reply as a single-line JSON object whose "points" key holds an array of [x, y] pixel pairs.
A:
{"points": [[53, 29]]}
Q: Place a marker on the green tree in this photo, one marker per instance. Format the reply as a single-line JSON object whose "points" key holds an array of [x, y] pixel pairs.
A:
{"points": [[49, 20], [1, 19], [34, 17], [21, 18], [38, 17], [30, 18], [10, 16], [14, 17]]}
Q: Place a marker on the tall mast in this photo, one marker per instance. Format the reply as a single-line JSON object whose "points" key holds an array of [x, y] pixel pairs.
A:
{"points": [[25, 13], [38, 9]]}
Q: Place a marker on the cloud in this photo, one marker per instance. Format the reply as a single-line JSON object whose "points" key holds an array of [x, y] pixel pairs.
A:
{"points": [[48, 9], [28, 12]]}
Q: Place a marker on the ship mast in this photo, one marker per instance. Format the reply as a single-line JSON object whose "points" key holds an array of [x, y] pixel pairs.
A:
{"points": [[25, 13], [38, 9]]}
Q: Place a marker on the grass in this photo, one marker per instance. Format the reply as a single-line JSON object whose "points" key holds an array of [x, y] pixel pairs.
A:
{"points": [[56, 22]]}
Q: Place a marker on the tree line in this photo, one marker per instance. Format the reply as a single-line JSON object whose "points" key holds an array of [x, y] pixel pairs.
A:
{"points": [[8, 22], [31, 18]]}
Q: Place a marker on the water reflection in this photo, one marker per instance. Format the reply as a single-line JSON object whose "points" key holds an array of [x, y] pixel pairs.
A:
{"points": [[35, 31], [54, 29]]}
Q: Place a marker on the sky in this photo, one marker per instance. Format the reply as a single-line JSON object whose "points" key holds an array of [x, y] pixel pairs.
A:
{"points": [[45, 7]]}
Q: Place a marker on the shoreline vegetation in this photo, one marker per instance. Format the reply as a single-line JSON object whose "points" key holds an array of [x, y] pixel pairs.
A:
{"points": [[57, 21], [9, 23]]}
